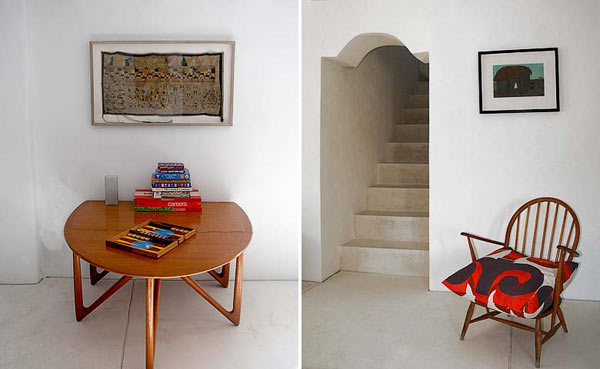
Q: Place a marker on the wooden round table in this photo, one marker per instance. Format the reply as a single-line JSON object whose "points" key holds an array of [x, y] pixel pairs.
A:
{"points": [[223, 233]]}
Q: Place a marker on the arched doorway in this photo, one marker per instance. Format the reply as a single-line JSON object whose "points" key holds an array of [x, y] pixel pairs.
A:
{"points": [[374, 158]]}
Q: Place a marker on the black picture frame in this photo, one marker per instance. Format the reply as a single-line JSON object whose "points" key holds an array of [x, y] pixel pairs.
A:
{"points": [[530, 110]]}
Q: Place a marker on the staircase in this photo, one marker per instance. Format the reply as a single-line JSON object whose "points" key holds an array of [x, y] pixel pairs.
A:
{"points": [[392, 235]]}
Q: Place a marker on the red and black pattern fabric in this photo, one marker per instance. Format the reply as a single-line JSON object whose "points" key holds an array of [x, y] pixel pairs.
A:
{"points": [[510, 282]]}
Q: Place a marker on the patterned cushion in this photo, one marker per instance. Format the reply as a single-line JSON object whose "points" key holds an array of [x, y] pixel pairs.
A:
{"points": [[510, 282]]}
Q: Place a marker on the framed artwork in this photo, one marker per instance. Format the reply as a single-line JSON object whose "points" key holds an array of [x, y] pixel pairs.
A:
{"points": [[162, 82], [518, 81]]}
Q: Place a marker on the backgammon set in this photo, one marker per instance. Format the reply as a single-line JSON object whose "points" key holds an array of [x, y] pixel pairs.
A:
{"points": [[151, 238]]}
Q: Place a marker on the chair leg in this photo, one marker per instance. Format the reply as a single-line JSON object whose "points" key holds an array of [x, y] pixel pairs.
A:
{"points": [[563, 322], [467, 320], [538, 342]]}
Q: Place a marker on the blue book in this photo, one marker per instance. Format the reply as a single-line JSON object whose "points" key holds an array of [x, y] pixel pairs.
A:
{"points": [[171, 176], [174, 184]]}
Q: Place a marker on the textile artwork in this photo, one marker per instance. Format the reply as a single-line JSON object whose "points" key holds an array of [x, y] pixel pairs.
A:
{"points": [[162, 84]]}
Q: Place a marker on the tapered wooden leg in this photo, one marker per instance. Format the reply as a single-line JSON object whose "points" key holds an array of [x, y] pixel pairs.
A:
{"points": [[470, 310], [150, 322], [562, 320], [538, 342], [156, 303], [234, 314], [95, 276], [223, 276], [81, 311], [237, 290]]}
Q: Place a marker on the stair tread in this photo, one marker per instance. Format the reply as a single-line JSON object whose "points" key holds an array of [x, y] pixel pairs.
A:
{"points": [[382, 244], [385, 185], [400, 163], [395, 213], [405, 162], [411, 124], [410, 140]]}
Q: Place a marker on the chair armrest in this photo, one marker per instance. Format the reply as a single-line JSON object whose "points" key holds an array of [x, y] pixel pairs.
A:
{"points": [[566, 249], [558, 282], [469, 235], [472, 249]]}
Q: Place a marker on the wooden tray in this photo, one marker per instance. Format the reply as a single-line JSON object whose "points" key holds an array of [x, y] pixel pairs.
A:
{"points": [[151, 238]]}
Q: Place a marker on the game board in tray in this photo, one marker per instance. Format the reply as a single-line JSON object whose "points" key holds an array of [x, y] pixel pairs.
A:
{"points": [[151, 238]]}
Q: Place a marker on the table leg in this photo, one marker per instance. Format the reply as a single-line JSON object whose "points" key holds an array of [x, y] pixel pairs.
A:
{"points": [[152, 302], [81, 311], [156, 303], [149, 323], [234, 314], [95, 276], [223, 276]]}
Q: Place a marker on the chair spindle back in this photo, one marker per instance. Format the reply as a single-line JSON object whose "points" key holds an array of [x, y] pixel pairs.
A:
{"points": [[540, 225]]}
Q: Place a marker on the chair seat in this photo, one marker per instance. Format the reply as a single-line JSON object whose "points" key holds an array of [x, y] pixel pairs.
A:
{"points": [[510, 282]]}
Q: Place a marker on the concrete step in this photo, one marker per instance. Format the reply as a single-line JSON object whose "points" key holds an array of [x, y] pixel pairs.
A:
{"points": [[384, 260], [385, 197], [421, 87], [422, 123], [418, 101], [416, 116], [408, 152], [411, 133], [382, 244], [402, 174], [392, 225]]}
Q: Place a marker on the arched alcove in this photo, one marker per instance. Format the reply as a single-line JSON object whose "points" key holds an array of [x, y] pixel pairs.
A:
{"points": [[364, 90], [360, 46]]}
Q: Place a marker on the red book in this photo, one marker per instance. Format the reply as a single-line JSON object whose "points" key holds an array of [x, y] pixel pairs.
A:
{"points": [[168, 203], [145, 201], [147, 193], [164, 209]]}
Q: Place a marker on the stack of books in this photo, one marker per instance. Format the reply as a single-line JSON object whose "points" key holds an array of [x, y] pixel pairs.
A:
{"points": [[171, 191]]}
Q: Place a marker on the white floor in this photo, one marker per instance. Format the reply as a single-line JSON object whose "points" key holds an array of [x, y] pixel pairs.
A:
{"points": [[38, 327], [362, 321]]}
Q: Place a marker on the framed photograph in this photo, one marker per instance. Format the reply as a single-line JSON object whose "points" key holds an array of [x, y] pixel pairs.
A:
{"points": [[162, 82], [518, 81]]}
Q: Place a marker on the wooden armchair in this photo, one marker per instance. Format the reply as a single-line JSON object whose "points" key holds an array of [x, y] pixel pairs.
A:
{"points": [[508, 279]]}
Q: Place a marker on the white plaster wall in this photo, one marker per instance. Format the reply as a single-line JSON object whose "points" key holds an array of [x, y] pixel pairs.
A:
{"points": [[327, 26], [482, 167], [359, 107], [19, 262], [254, 163]]}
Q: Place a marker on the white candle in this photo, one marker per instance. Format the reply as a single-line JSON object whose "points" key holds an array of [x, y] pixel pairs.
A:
{"points": [[111, 190]]}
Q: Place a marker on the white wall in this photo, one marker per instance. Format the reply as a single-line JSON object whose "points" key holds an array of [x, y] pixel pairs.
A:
{"points": [[19, 262], [359, 107], [482, 167], [254, 163]]}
